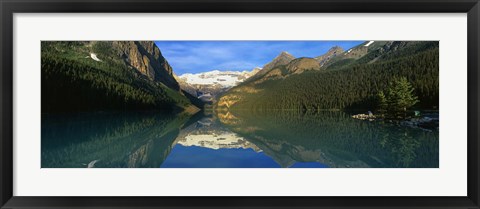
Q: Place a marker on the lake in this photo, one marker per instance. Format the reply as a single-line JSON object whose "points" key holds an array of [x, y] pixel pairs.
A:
{"points": [[241, 139]]}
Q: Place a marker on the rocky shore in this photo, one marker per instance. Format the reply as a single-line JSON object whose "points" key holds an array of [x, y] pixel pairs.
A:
{"points": [[426, 121]]}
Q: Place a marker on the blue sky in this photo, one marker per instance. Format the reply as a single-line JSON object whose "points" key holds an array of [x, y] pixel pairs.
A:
{"points": [[202, 56]]}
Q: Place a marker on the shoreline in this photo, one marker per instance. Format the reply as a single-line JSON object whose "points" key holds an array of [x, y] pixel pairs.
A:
{"points": [[428, 121]]}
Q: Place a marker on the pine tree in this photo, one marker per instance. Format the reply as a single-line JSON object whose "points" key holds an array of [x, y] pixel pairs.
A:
{"points": [[400, 96], [382, 102]]}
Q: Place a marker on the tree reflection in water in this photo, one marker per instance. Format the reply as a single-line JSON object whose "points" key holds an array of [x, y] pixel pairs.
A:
{"points": [[233, 139]]}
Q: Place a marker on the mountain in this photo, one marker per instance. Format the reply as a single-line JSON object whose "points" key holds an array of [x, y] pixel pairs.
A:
{"points": [[295, 66], [108, 75], [208, 85], [373, 51], [333, 52], [225, 79], [301, 65], [255, 71], [146, 58], [349, 80], [282, 59]]}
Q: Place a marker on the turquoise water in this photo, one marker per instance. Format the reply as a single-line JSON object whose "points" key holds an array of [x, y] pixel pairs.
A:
{"points": [[284, 139]]}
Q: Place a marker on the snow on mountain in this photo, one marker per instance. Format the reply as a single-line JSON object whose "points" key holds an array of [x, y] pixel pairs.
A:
{"points": [[94, 57], [208, 85], [370, 42], [225, 79]]}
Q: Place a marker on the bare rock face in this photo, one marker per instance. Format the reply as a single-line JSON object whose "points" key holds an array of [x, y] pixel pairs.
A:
{"points": [[282, 59], [146, 58], [356, 53], [295, 66], [395, 45], [255, 71], [302, 64], [333, 52]]}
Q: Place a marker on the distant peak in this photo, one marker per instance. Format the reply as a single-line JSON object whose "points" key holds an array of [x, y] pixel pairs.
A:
{"points": [[331, 52], [335, 49], [284, 55], [255, 70]]}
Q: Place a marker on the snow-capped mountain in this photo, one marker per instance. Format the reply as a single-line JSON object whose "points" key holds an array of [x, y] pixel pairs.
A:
{"points": [[224, 78], [208, 85]]}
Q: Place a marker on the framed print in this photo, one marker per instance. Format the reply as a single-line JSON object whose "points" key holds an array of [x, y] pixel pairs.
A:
{"points": [[238, 104]]}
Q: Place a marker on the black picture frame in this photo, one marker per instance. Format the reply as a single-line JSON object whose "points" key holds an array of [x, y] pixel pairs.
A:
{"points": [[9, 7]]}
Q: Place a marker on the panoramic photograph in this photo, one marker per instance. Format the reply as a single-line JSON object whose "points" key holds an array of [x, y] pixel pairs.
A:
{"points": [[240, 104]]}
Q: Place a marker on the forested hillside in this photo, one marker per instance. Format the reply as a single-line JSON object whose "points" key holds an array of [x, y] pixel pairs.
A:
{"points": [[351, 80], [86, 76]]}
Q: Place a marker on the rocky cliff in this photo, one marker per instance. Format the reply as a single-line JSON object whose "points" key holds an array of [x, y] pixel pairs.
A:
{"points": [[109, 75], [146, 58], [282, 59], [302, 64], [333, 52]]}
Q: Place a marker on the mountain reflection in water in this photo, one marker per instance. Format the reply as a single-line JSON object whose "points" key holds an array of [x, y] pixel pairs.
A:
{"points": [[232, 140]]}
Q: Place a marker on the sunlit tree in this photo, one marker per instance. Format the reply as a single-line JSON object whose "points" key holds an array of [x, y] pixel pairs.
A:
{"points": [[398, 98]]}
